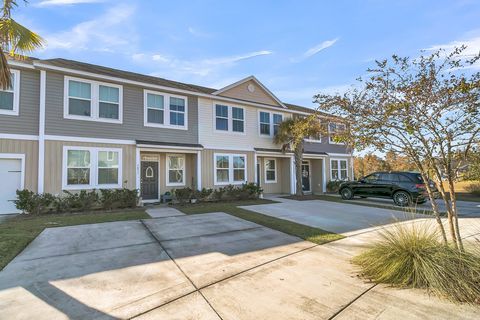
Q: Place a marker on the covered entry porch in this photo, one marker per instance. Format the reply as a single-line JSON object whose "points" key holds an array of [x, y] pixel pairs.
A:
{"points": [[274, 171], [314, 179], [163, 167]]}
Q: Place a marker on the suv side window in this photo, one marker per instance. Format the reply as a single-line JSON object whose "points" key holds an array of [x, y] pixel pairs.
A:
{"points": [[403, 178], [388, 177], [372, 178]]}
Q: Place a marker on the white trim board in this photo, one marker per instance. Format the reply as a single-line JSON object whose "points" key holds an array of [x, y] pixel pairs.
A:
{"points": [[18, 136], [88, 140]]}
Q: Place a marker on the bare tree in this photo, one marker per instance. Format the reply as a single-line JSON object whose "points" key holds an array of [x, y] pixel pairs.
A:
{"points": [[426, 108]]}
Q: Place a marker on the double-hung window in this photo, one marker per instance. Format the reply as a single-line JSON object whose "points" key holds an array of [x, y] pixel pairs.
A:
{"points": [[265, 123], [92, 100], [9, 97], [164, 110], [221, 117], [269, 123], [89, 168], [230, 168], [270, 170], [314, 138], [175, 170], [333, 130], [338, 169], [229, 119]]}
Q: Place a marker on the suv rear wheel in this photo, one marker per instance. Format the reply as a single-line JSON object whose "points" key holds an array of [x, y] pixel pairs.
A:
{"points": [[346, 193], [402, 198]]}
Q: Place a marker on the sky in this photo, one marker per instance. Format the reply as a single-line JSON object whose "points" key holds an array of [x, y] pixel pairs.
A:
{"points": [[296, 48]]}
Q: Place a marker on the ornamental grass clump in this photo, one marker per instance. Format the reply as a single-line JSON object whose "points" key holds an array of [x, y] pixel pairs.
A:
{"points": [[413, 256]]}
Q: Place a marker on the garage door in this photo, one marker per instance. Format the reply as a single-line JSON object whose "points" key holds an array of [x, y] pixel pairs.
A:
{"points": [[10, 181]]}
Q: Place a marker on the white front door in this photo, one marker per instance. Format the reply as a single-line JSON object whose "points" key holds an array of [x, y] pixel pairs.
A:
{"points": [[10, 181]]}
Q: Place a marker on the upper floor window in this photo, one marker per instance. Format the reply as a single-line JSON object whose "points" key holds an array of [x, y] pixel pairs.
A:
{"points": [[333, 130], [314, 138], [9, 97], [269, 123], [92, 100], [165, 110], [230, 168], [230, 119]]}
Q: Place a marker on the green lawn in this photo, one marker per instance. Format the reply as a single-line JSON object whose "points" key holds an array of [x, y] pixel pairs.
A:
{"points": [[17, 232], [370, 204], [311, 234]]}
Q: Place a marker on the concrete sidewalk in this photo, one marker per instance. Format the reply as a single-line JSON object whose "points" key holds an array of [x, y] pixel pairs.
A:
{"points": [[206, 266]]}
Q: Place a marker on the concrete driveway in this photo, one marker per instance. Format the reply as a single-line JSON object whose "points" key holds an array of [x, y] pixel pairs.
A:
{"points": [[332, 216], [209, 266]]}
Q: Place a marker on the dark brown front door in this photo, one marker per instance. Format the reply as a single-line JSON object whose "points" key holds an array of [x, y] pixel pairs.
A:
{"points": [[149, 183]]}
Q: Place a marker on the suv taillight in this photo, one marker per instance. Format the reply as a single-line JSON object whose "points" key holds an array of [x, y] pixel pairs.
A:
{"points": [[420, 186]]}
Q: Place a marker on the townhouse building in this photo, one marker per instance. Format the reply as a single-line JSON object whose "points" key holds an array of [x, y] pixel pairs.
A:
{"points": [[68, 125]]}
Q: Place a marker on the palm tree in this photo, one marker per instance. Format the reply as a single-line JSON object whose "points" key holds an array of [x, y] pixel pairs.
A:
{"points": [[291, 134], [15, 41]]}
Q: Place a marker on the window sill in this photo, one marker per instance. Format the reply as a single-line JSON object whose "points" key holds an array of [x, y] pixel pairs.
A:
{"points": [[270, 181], [230, 132], [164, 126], [9, 112], [90, 187], [85, 118], [175, 184], [228, 183]]}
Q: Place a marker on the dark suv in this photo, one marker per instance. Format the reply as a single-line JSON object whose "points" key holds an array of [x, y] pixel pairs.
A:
{"points": [[404, 188]]}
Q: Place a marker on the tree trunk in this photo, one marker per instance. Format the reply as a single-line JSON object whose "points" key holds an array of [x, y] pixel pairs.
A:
{"points": [[450, 214], [435, 209], [453, 200], [298, 154]]}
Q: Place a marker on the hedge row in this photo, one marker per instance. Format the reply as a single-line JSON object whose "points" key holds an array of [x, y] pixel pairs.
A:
{"points": [[228, 193], [106, 199]]}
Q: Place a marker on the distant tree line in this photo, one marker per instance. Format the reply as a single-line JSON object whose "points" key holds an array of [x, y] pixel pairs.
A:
{"points": [[370, 163]]}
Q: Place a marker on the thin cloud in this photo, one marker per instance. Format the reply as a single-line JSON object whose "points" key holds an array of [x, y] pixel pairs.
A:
{"points": [[197, 33], [111, 31], [233, 59], [472, 48], [314, 50], [51, 3]]}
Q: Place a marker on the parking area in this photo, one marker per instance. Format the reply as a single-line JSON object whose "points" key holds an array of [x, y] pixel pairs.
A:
{"points": [[206, 266]]}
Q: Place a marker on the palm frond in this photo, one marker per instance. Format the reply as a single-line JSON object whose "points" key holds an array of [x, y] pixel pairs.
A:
{"points": [[5, 75], [20, 38]]}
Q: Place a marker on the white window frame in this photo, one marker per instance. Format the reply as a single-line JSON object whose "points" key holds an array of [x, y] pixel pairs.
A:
{"points": [[271, 135], [166, 111], [229, 119], [339, 168], [94, 100], [167, 170], [93, 169], [230, 168], [330, 141], [16, 95], [265, 169]]}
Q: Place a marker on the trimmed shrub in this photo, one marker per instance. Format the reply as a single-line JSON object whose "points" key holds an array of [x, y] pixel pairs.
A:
{"points": [[33, 203], [333, 186], [473, 188], [228, 193], [183, 195], [413, 256]]}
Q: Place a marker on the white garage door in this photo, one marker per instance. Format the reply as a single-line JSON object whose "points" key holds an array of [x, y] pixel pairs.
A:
{"points": [[10, 181]]}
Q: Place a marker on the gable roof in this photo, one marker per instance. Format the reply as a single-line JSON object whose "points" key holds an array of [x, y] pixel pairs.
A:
{"points": [[137, 77], [250, 78]]}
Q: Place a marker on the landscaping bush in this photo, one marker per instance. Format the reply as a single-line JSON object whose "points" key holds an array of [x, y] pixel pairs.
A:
{"points": [[33, 203], [228, 193], [413, 256], [473, 188], [333, 186]]}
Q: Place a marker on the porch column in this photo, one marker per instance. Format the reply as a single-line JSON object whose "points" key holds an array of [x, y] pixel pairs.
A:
{"points": [[293, 178], [137, 169], [324, 175], [255, 162], [199, 170]]}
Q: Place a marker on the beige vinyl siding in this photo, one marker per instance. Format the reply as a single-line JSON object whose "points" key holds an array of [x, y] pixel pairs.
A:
{"points": [[283, 176], [132, 127], [30, 149], [190, 169], [208, 166], [54, 163], [210, 138], [241, 92], [27, 120], [317, 175]]}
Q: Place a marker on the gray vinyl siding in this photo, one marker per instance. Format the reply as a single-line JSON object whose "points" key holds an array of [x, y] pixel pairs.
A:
{"points": [[27, 120], [132, 127], [324, 146]]}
